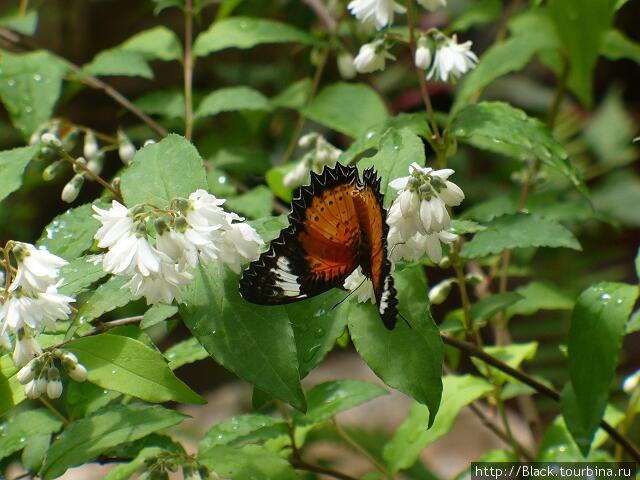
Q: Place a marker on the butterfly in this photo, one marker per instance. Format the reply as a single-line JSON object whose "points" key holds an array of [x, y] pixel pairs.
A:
{"points": [[336, 224]]}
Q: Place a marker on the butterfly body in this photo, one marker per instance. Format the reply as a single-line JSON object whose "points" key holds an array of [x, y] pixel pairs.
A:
{"points": [[337, 223]]}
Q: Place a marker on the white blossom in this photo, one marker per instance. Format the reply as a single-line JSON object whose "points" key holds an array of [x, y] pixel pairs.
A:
{"points": [[176, 246], [423, 54], [28, 372], [37, 268], [54, 385], [27, 348], [19, 309], [371, 57], [298, 175], [358, 283], [440, 291], [321, 154], [162, 287], [116, 224], [241, 244], [53, 306], [452, 60], [378, 12], [432, 5]]}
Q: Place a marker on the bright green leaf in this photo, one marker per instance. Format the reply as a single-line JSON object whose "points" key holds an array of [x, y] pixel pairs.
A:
{"points": [[256, 203], [243, 32], [409, 359], [242, 161], [70, 234], [519, 231], [275, 180], [162, 171], [614, 196], [414, 434], [251, 462], [84, 398], [485, 308], [617, 45], [125, 471], [118, 62], [232, 99], [294, 96], [25, 23], [166, 103], [349, 108], [157, 313], [105, 298], [595, 339], [35, 450], [11, 390], [12, 165], [255, 342], [269, 227], [158, 43], [460, 227], [87, 438], [79, 274], [30, 85], [539, 296], [513, 355], [479, 12], [128, 366], [24, 425], [241, 430], [187, 351]]}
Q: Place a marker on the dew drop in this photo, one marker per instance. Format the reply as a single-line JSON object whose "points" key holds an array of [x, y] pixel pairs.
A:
{"points": [[37, 77], [113, 372], [605, 296], [319, 332], [308, 356], [11, 82], [319, 312], [618, 301], [23, 439], [370, 135]]}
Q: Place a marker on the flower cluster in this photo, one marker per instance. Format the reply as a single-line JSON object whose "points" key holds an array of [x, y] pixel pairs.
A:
{"points": [[41, 375], [32, 301], [418, 217], [193, 231], [320, 153], [450, 61]]}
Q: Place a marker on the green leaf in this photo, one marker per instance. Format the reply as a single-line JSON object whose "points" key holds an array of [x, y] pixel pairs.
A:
{"points": [[80, 274], [105, 298], [539, 296], [275, 180], [637, 263], [25, 23], [30, 85], [398, 150], [12, 165], [581, 27], [24, 425], [255, 342], [294, 96], [330, 398], [414, 434], [162, 171], [251, 462], [513, 355], [84, 398], [244, 32], [269, 227], [317, 324], [125, 471], [633, 325], [187, 351], [500, 128], [349, 108], [409, 359], [460, 227], [166, 103], [617, 45], [158, 43], [118, 62], [70, 234], [157, 313], [128, 366], [256, 203], [484, 309], [11, 390], [241, 430], [518, 231], [481, 11], [595, 339], [85, 439], [232, 99], [613, 196], [242, 161], [35, 450]]}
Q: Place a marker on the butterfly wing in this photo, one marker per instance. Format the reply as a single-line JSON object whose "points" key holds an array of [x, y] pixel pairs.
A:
{"points": [[318, 249]]}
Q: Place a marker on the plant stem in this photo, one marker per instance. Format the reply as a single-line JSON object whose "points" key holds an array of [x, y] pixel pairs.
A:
{"points": [[359, 448], [188, 69], [91, 175], [505, 421], [456, 263], [540, 387], [53, 410], [423, 82], [302, 465]]}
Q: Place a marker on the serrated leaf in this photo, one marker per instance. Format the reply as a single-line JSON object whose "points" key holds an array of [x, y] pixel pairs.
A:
{"points": [[513, 355], [158, 43], [409, 359], [539, 296], [241, 430], [79, 274], [35, 450], [85, 439], [23, 22], [105, 298], [166, 103], [125, 471], [501, 128], [349, 108], [460, 227], [187, 351], [70, 234], [595, 339], [294, 96], [398, 150], [11, 390], [84, 398], [157, 313], [520, 230], [24, 425], [118, 62], [30, 85], [485, 308], [330, 398], [162, 171], [255, 342], [245, 32], [414, 434], [232, 99], [12, 165], [251, 462], [581, 27], [128, 366], [615, 194], [256, 203]]}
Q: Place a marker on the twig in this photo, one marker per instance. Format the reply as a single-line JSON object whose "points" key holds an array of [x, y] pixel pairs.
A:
{"points": [[540, 387], [188, 69], [322, 13], [55, 411], [91, 175], [359, 448], [302, 465], [103, 328]]}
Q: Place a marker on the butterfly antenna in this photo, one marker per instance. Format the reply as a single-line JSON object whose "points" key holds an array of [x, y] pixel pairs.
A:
{"points": [[350, 293], [405, 320]]}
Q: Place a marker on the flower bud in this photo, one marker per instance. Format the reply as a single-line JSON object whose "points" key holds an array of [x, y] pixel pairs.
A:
{"points": [[80, 162], [28, 372], [51, 140], [79, 373], [52, 170], [90, 148], [41, 385], [423, 54], [54, 385], [66, 356], [31, 389], [95, 164], [440, 291], [70, 139], [115, 183], [126, 149], [631, 382], [474, 278], [148, 142], [306, 140], [345, 65], [72, 188], [161, 226]]}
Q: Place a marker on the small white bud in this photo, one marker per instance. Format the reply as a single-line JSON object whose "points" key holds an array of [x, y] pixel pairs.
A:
{"points": [[474, 278], [41, 385], [126, 149], [445, 262], [631, 382], [28, 372], [90, 148], [423, 54], [95, 164], [51, 140], [148, 142], [306, 140], [31, 389], [54, 385], [52, 170], [440, 291], [72, 188], [345, 65], [79, 373], [79, 161]]}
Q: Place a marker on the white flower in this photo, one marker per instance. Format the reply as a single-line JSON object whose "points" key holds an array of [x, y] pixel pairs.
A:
{"points": [[423, 54], [116, 223], [380, 12], [5, 341], [177, 247], [132, 254], [240, 245], [419, 244], [371, 57], [53, 306], [37, 268], [32, 389], [345, 65], [163, 287], [432, 4], [54, 389], [298, 175], [452, 60], [27, 348], [362, 286], [206, 211]]}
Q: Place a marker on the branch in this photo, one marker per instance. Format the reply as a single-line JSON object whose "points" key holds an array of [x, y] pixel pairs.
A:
{"points": [[540, 387], [188, 69], [323, 14], [302, 465]]}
